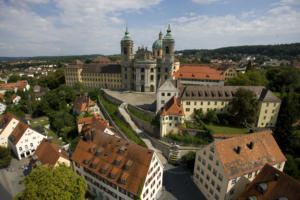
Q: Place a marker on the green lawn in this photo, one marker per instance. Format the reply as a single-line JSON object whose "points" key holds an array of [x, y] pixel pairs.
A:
{"points": [[112, 110], [216, 129], [42, 122]]}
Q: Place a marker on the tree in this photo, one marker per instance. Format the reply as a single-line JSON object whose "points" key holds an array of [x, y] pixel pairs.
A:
{"points": [[14, 78], [251, 77], [288, 114], [53, 183], [5, 157], [211, 117], [244, 107], [188, 160]]}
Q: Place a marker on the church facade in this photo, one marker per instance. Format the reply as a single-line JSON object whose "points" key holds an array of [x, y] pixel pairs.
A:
{"points": [[143, 71]]}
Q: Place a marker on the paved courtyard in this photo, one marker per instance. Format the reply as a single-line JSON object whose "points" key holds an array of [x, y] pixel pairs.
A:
{"points": [[178, 184], [10, 178], [141, 99]]}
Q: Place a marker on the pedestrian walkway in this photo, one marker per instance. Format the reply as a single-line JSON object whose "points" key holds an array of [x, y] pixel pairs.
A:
{"points": [[141, 133]]}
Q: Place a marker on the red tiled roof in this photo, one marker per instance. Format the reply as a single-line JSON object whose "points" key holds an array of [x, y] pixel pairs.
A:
{"points": [[101, 153], [265, 150], [87, 124], [81, 103], [198, 72], [20, 85], [278, 185], [172, 107], [48, 153]]}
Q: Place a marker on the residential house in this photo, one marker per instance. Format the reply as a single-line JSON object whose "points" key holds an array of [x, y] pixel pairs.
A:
{"points": [[15, 99], [49, 154], [19, 85], [24, 140], [2, 108], [224, 168], [115, 168], [272, 183], [85, 104], [39, 92], [87, 125], [7, 125]]}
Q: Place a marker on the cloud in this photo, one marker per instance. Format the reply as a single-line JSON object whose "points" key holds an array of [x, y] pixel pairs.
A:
{"points": [[205, 31], [280, 9], [81, 27], [204, 1]]}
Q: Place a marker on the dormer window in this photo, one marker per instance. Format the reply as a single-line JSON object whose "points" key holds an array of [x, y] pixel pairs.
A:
{"points": [[128, 164]]}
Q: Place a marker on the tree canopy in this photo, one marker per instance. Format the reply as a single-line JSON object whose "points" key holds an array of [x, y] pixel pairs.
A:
{"points": [[244, 107], [5, 157], [53, 183]]}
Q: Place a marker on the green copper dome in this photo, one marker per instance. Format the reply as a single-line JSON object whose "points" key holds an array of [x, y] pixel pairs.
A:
{"points": [[168, 36], [157, 44], [126, 36]]}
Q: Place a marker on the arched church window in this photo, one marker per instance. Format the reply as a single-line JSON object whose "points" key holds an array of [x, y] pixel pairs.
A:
{"points": [[125, 51], [158, 53], [167, 50]]}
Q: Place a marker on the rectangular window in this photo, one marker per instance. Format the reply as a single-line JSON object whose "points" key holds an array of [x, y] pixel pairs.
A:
{"points": [[188, 103], [187, 110], [266, 111], [215, 172], [218, 188], [142, 70], [163, 94], [267, 104], [195, 103], [216, 102], [169, 94], [151, 77]]}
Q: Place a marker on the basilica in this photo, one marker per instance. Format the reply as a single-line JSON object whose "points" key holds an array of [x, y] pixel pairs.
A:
{"points": [[144, 70]]}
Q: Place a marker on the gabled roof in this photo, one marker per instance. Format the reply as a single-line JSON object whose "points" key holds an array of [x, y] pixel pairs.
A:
{"points": [[81, 103], [18, 132], [198, 92], [278, 185], [99, 157], [6, 119], [94, 122], [48, 153], [198, 72], [20, 85], [238, 158], [172, 107]]}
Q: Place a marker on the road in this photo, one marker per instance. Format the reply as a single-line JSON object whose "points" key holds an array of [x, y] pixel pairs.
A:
{"points": [[179, 185]]}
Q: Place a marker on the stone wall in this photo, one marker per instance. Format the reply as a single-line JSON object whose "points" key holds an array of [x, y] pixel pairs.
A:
{"points": [[112, 99], [111, 122]]}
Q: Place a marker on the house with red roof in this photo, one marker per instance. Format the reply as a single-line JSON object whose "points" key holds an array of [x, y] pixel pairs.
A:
{"points": [[171, 117], [224, 168], [49, 154], [19, 85], [85, 104]]}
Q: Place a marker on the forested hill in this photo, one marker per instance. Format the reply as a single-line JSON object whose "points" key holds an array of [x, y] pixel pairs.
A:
{"points": [[280, 51]]}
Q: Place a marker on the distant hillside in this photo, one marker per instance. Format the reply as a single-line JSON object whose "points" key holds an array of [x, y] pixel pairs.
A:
{"points": [[286, 51], [50, 58]]}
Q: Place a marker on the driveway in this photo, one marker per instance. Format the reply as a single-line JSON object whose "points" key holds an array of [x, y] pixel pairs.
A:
{"points": [[10, 178], [178, 184]]}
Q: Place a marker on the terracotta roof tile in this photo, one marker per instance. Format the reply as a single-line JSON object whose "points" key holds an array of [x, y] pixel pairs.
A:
{"points": [[198, 72], [264, 150], [278, 184], [112, 147], [18, 132], [48, 153], [20, 85], [87, 124], [172, 107], [81, 103]]}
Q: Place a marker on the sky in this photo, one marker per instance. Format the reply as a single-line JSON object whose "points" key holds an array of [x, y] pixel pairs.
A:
{"points": [[78, 27]]}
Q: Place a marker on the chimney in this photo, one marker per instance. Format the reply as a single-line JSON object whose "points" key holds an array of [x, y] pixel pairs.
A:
{"points": [[250, 145], [238, 149]]}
